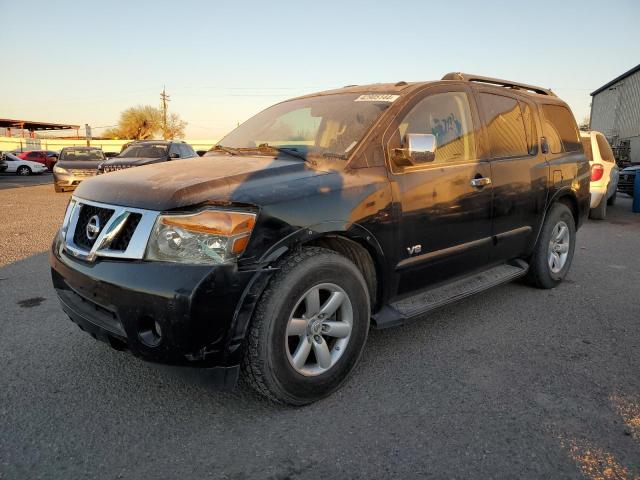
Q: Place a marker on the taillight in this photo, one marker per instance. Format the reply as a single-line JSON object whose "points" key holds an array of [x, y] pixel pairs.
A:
{"points": [[597, 171]]}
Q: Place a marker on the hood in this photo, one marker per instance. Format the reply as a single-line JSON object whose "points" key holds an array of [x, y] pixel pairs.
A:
{"points": [[254, 180], [631, 169], [79, 164], [134, 161]]}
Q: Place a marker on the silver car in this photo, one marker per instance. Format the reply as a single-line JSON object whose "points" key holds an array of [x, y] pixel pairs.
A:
{"points": [[74, 165]]}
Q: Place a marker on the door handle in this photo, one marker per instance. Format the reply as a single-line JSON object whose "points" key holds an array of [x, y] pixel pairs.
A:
{"points": [[480, 182]]}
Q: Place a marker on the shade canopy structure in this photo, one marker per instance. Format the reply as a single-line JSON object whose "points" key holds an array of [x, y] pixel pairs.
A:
{"points": [[33, 126]]}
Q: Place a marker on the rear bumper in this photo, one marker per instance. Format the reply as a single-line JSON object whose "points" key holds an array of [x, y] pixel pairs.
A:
{"points": [[67, 181], [597, 195], [195, 308]]}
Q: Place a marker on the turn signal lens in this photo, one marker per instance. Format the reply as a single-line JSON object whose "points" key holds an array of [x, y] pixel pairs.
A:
{"points": [[597, 171], [207, 237], [215, 222]]}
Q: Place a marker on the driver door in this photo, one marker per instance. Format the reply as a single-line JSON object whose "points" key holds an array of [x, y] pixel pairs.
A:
{"points": [[444, 205]]}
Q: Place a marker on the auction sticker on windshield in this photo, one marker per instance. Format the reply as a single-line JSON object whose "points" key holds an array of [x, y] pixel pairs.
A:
{"points": [[377, 97]]}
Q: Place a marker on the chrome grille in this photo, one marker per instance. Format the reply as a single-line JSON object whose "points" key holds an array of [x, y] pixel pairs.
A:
{"points": [[123, 231], [83, 172], [87, 212], [114, 168]]}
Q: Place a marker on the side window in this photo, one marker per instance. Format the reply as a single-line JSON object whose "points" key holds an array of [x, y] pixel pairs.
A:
{"points": [[505, 126], [605, 149], [586, 146], [447, 116], [560, 129], [174, 149], [187, 151], [32, 155], [529, 128]]}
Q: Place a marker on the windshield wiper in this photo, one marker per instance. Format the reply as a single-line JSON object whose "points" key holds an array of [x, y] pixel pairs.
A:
{"points": [[287, 150], [229, 150]]}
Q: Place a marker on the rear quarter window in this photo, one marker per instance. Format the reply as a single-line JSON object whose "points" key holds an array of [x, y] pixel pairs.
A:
{"points": [[560, 129], [586, 146], [605, 149]]}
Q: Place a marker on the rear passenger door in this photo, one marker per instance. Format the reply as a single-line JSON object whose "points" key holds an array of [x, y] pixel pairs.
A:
{"points": [[519, 173]]}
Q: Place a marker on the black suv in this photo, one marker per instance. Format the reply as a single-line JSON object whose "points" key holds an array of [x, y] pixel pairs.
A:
{"points": [[145, 152], [273, 254]]}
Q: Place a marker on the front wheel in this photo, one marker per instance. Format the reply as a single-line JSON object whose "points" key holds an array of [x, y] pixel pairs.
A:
{"points": [[309, 328], [23, 170], [553, 253]]}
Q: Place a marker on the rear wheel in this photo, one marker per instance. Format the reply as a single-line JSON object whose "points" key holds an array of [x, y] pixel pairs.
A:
{"points": [[599, 212], [612, 199], [23, 170], [553, 254], [309, 328]]}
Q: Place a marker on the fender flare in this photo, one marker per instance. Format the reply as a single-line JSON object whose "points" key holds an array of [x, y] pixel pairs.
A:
{"points": [[561, 192], [234, 346]]}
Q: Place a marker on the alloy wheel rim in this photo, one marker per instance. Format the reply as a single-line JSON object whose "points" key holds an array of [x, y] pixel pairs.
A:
{"points": [[559, 247], [319, 329]]}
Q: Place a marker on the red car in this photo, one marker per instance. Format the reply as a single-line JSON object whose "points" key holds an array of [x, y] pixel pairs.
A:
{"points": [[46, 157]]}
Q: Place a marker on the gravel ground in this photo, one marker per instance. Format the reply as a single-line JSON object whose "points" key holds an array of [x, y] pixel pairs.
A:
{"points": [[29, 218], [513, 383]]}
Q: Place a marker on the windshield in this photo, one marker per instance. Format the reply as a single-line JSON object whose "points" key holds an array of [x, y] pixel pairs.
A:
{"points": [[82, 155], [330, 125], [154, 150]]}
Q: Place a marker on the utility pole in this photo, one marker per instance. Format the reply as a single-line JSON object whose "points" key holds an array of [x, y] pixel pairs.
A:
{"points": [[165, 98]]}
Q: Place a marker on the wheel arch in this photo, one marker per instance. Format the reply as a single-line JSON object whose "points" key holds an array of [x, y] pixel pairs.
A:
{"points": [[350, 240]]}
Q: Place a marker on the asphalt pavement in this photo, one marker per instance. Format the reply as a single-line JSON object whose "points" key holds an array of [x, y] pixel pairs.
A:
{"points": [[513, 383], [11, 180]]}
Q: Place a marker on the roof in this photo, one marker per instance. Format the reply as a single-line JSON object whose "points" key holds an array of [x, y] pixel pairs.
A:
{"points": [[616, 80], [33, 125], [370, 88], [81, 148], [499, 82], [156, 141]]}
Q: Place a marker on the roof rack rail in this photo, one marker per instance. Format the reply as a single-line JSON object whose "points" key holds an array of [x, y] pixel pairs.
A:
{"points": [[468, 77]]}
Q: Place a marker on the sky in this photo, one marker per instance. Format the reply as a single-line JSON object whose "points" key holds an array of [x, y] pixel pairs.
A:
{"points": [[221, 62]]}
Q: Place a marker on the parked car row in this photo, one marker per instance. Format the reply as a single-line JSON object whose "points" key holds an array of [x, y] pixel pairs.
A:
{"points": [[12, 163], [79, 163]]}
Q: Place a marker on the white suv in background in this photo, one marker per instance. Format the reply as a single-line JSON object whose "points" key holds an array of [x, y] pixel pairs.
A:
{"points": [[604, 172]]}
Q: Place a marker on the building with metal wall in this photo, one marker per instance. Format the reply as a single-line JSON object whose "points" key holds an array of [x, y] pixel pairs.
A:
{"points": [[615, 111]]}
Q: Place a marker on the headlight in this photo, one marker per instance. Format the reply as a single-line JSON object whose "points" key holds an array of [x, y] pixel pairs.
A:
{"points": [[207, 237], [58, 169]]}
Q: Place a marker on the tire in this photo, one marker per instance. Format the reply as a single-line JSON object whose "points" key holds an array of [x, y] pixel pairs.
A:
{"points": [[599, 212], [611, 201], [23, 170], [275, 344], [541, 274]]}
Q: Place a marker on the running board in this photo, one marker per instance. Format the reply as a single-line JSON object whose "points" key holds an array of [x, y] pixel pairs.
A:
{"points": [[407, 309]]}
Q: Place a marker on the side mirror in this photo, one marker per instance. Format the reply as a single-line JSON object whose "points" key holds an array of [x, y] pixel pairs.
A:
{"points": [[420, 148], [174, 155]]}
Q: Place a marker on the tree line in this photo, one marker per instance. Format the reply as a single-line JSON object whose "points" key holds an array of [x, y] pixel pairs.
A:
{"points": [[144, 122]]}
